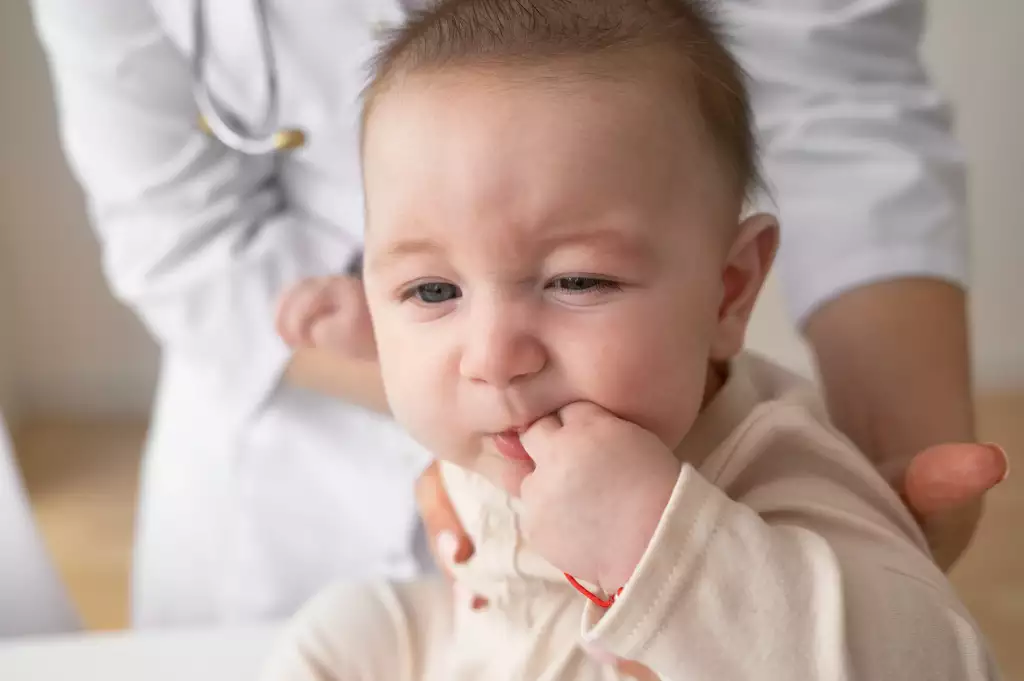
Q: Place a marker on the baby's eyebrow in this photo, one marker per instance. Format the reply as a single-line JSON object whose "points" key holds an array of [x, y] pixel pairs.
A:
{"points": [[404, 249], [605, 239]]}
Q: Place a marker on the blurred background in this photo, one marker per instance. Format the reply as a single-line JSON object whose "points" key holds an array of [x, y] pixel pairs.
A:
{"points": [[77, 371]]}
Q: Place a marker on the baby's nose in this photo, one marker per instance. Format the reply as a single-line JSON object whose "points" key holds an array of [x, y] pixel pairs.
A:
{"points": [[502, 351]]}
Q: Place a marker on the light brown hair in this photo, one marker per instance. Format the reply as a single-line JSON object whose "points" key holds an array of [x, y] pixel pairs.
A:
{"points": [[596, 37]]}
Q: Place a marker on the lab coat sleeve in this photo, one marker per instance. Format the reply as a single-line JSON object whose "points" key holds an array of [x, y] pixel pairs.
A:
{"points": [[795, 572], [196, 238], [857, 145]]}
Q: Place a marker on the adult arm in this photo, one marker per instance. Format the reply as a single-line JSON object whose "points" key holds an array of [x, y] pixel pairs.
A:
{"points": [[870, 181], [196, 238]]}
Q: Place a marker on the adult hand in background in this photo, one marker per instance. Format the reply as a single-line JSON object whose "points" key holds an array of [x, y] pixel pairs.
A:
{"points": [[325, 321], [327, 313]]}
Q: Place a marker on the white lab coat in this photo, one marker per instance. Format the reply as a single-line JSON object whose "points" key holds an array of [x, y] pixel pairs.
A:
{"points": [[255, 494]]}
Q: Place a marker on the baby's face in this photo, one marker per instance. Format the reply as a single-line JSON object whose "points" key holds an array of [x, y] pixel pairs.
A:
{"points": [[537, 244]]}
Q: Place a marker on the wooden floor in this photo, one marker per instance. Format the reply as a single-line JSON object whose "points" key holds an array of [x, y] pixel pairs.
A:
{"points": [[81, 478]]}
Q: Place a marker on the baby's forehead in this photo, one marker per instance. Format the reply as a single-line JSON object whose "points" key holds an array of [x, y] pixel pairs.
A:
{"points": [[550, 117], [478, 149]]}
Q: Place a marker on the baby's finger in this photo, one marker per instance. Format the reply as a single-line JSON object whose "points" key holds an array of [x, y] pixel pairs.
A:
{"points": [[537, 437], [578, 413]]}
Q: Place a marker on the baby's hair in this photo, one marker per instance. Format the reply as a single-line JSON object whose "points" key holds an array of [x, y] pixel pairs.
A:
{"points": [[597, 38]]}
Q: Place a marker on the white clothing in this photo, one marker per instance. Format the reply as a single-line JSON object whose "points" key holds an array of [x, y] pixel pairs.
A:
{"points": [[254, 495], [782, 554], [33, 601]]}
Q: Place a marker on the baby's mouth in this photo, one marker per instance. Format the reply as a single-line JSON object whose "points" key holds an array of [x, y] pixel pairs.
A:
{"points": [[509, 446]]}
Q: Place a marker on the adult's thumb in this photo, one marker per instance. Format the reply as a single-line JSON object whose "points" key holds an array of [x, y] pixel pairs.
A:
{"points": [[945, 477]]}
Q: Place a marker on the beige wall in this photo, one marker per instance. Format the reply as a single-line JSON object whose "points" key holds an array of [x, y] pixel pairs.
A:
{"points": [[8, 395], [75, 350], [977, 57]]}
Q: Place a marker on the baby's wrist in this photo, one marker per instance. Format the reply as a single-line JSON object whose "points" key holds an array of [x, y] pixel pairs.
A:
{"points": [[641, 519]]}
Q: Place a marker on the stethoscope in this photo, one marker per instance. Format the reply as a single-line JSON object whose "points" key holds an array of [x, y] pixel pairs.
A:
{"points": [[269, 137]]}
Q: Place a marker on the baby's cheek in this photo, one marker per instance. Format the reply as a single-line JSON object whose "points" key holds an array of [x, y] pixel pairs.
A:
{"points": [[415, 417], [658, 386], [415, 399], [401, 383]]}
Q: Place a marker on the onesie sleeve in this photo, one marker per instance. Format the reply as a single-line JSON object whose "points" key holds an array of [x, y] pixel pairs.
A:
{"points": [[799, 563]]}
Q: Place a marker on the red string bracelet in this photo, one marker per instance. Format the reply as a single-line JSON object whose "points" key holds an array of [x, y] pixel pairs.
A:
{"points": [[596, 600]]}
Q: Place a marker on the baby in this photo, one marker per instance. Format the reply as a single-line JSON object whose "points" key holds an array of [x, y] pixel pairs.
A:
{"points": [[560, 271]]}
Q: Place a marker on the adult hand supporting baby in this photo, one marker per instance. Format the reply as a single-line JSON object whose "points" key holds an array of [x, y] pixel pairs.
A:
{"points": [[450, 542], [943, 487], [895, 368]]}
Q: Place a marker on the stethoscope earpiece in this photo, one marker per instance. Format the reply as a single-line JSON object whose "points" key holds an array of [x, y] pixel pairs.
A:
{"points": [[286, 139], [289, 138]]}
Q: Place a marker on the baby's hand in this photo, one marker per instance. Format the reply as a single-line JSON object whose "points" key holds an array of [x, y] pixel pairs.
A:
{"points": [[597, 493], [327, 313]]}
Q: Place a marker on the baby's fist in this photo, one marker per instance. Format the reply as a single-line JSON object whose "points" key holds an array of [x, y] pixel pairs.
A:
{"points": [[327, 313], [597, 493]]}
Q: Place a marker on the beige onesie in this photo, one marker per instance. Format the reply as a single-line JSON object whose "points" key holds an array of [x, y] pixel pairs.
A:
{"points": [[782, 555]]}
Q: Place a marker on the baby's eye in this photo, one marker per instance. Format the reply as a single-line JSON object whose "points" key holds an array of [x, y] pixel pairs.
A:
{"points": [[578, 284], [435, 292]]}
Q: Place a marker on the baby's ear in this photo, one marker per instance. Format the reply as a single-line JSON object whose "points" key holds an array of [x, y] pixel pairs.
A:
{"points": [[746, 268]]}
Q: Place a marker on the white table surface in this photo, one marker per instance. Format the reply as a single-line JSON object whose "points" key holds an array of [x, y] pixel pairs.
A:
{"points": [[227, 654]]}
